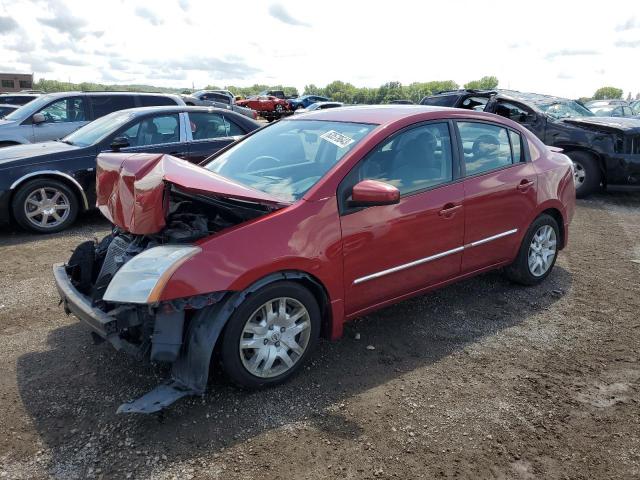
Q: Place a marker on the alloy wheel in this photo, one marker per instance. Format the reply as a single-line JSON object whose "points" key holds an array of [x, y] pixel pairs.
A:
{"points": [[275, 337], [47, 207], [542, 251]]}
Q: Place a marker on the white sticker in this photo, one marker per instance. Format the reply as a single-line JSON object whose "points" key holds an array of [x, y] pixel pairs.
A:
{"points": [[337, 139]]}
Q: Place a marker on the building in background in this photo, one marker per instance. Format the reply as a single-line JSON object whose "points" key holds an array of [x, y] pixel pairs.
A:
{"points": [[14, 82]]}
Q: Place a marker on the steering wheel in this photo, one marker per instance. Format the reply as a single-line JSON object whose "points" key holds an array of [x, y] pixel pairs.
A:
{"points": [[268, 159]]}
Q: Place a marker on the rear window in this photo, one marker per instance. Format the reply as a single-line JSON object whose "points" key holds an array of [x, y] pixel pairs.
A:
{"points": [[440, 101], [156, 101], [106, 104]]}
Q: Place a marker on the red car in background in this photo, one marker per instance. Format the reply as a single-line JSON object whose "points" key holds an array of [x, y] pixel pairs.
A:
{"points": [[304, 225], [269, 107]]}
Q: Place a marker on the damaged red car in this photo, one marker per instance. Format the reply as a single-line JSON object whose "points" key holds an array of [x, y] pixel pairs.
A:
{"points": [[303, 225]]}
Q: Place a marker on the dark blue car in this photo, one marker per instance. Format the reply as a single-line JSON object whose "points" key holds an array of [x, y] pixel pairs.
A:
{"points": [[43, 186], [305, 100]]}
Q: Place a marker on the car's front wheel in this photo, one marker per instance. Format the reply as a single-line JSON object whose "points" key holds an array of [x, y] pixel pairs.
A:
{"points": [[45, 205], [538, 252], [270, 335]]}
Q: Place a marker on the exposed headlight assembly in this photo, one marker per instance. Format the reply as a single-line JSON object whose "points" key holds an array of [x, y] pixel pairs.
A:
{"points": [[142, 279]]}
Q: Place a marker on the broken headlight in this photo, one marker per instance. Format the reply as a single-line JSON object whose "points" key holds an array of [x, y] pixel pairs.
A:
{"points": [[142, 279]]}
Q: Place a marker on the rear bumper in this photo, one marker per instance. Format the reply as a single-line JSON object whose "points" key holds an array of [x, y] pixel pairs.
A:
{"points": [[79, 305]]}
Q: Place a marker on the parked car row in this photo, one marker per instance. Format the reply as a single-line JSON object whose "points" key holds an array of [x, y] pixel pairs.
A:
{"points": [[43, 186], [605, 151], [219, 99]]}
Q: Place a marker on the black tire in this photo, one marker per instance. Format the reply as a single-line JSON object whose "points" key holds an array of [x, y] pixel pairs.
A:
{"points": [[50, 185], [279, 109], [588, 164], [230, 352], [519, 271]]}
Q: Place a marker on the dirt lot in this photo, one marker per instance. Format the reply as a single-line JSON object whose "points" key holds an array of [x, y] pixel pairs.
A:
{"points": [[480, 380]]}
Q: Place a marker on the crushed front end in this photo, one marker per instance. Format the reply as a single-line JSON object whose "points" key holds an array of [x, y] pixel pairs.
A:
{"points": [[120, 286]]}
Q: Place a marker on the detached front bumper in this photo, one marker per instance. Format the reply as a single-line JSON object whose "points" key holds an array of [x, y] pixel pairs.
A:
{"points": [[80, 305]]}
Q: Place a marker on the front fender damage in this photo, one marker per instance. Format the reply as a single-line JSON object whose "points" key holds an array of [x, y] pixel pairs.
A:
{"points": [[190, 372]]}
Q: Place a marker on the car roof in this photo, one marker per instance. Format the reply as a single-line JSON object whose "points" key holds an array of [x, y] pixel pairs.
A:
{"points": [[384, 114], [177, 109], [67, 94]]}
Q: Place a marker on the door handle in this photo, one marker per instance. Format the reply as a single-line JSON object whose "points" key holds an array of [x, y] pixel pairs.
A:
{"points": [[449, 209], [525, 185]]}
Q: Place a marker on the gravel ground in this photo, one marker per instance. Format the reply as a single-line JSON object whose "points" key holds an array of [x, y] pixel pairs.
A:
{"points": [[482, 379]]}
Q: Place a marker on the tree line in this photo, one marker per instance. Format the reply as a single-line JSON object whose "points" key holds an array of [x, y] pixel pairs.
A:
{"points": [[337, 90]]}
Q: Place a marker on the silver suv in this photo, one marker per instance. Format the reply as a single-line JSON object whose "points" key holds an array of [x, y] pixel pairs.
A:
{"points": [[56, 115]]}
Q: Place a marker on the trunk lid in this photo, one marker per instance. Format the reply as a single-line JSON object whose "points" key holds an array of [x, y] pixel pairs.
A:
{"points": [[132, 188]]}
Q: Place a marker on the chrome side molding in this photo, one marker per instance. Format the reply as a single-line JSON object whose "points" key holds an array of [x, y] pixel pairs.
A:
{"points": [[433, 257]]}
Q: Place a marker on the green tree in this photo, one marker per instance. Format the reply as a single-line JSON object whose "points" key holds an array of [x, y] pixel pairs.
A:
{"points": [[485, 83], [606, 93]]}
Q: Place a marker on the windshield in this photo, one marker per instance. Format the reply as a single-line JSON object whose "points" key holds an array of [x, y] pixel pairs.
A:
{"points": [[29, 109], [565, 109], [289, 157], [97, 130]]}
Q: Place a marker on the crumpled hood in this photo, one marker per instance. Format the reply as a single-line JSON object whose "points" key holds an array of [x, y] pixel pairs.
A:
{"points": [[131, 188], [607, 124]]}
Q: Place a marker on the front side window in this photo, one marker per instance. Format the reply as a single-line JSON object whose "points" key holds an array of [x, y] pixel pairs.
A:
{"points": [[64, 110], [486, 147], [287, 158], [154, 131], [105, 104], [413, 160]]}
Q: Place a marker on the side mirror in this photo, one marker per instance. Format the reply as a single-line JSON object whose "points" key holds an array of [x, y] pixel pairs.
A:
{"points": [[38, 118], [369, 193], [118, 143]]}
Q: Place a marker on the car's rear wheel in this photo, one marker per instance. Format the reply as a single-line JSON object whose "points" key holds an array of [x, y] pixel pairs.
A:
{"points": [[270, 335], [45, 205], [587, 174], [538, 252]]}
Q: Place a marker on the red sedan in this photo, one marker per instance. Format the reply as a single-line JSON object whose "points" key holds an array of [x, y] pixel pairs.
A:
{"points": [[304, 225], [270, 107]]}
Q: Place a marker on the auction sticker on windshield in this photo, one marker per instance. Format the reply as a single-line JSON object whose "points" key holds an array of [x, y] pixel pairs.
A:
{"points": [[337, 139]]}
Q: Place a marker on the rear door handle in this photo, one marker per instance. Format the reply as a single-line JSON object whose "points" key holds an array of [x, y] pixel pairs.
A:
{"points": [[525, 185], [449, 209]]}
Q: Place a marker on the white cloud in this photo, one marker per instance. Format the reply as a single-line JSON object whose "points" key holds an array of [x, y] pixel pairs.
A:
{"points": [[297, 43]]}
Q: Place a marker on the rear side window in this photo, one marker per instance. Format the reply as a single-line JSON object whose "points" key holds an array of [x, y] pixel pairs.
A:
{"points": [[105, 104], [486, 147], [156, 101], [205, 126], [440, 100]]}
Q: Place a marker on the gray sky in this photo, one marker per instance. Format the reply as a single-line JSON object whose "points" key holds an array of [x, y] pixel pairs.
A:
{"points": [[558, 47]]}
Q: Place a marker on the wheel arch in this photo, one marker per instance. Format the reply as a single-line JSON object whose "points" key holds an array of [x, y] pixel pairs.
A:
{"points": [[65, 178], [556, 214], [568, 149], [310, 282]]}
